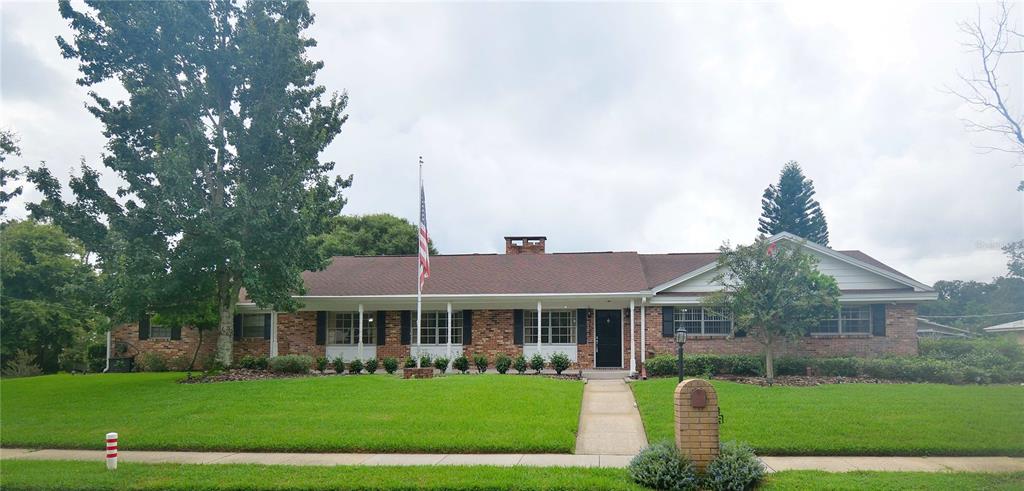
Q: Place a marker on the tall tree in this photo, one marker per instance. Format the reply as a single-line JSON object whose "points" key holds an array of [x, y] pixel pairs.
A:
{"points": [[218, 145], [380, 234], [8, 146], [773, 292], [47, 291], [790, 207]]}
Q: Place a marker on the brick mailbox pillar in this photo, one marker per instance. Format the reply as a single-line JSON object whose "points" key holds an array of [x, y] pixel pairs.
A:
{"points": [[697, 421]]}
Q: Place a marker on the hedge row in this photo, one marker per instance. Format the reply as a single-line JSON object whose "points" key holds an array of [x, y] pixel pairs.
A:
{"points": [[912, 369]]}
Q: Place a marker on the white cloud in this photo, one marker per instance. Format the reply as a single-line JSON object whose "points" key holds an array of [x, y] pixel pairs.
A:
{"points": [[641, 127]]}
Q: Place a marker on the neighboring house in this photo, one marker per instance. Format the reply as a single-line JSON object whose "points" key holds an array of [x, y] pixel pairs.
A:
{"points": [[1013, 328], [602, 309], [929, 329]]}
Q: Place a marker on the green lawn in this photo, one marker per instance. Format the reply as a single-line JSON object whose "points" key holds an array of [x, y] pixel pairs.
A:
{"points": [[46, 475], [855, 419], [366, 413]]}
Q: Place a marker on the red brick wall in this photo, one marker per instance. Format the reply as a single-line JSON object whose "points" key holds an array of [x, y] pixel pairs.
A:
{"points": [[184, 347], [492, 334], [900, 339], [393, 346], [585, 352], [296, 334]]}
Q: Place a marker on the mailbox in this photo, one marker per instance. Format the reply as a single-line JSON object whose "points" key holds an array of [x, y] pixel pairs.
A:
{"points": [[699, 399]]}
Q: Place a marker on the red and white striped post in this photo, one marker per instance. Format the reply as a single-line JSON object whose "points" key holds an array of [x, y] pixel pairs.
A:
{"points": [[112, 451]]}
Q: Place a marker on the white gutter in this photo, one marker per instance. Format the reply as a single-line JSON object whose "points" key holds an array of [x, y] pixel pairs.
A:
{"points": [[107, 368]]}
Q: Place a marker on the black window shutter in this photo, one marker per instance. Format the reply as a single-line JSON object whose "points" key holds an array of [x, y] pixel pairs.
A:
{"points": [[878, 319], [266, 326], [406, 327], [581, 326], [238, 327], [517, 327], [321, 327], [144, 326], [467, 327], [176, 333], [379, 319], [668, 321]]}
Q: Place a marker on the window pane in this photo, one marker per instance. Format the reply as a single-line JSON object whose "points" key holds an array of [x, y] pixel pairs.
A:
{"points": [[716, 322], [343, 328], [856, 319], [252, 325], [688, 318], [159, 332]]}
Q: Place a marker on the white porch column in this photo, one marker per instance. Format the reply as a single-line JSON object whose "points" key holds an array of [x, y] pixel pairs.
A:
{"points": [[540, 322], [448, 348], [632, 339], [360, 332], [643, 331], [273, 334], [107, 368]]}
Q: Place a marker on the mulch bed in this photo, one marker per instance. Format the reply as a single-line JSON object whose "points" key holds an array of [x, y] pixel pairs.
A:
{"points": [[806, 380]]}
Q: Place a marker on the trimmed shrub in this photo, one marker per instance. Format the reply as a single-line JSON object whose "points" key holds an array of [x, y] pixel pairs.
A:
{"points": [[96, 356], [355, 367], [661, 366], [537, 362], [702, 365], [441, 363], [410, 362], [461, 363], [914, 369], [560, 362], [291, 364], [735, 468], [321, 364], [152, 362], [481, 362], [834, 367], [661, 466], [519, 364], [371, 366], [390, 365], [339, 365], [790, 365], [425, 361], [22, 364], [502, 363]]}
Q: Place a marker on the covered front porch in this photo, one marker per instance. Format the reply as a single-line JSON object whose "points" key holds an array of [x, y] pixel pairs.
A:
{"points": [[594, 331]]}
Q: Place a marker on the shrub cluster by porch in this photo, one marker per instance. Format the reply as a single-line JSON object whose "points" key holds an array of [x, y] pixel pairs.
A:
{"points": [[941, 361]]}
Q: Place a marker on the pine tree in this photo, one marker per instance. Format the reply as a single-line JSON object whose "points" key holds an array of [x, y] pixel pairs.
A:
{"points": [[790, 207]]}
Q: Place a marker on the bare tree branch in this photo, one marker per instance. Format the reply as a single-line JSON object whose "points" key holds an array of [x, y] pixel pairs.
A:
{"points": [[991, 40]]}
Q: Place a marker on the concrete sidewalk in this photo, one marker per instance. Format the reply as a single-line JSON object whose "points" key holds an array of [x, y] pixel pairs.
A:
{"points": [[830, 464], [610, 423]]}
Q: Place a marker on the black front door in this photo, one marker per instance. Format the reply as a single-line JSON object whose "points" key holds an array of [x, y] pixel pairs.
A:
{"points": [[609, 338]]}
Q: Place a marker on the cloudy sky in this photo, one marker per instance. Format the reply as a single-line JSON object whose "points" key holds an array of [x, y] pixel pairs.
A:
{"points": [[650, 127]]}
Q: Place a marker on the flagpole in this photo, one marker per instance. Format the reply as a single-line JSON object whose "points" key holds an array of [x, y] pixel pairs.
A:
{"points": [[419, 276]]}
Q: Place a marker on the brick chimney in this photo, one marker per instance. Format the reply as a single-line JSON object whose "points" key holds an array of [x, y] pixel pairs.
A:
{"points": [[525, 244]]}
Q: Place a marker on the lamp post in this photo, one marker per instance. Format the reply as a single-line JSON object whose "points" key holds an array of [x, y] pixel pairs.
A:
{"points": [[680, 341]]}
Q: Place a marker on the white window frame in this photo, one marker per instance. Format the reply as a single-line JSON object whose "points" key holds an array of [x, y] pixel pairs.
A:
{"points": [[845, 315], [346, 326], [153, 332], [564, 323], [700, 323], [435, 328]]}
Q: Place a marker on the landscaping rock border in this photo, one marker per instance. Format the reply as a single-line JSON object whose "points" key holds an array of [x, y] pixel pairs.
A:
{"points": [[806, 380]]}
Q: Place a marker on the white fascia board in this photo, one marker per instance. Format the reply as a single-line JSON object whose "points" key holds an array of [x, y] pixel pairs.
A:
{"points": [[917, 285], [465, 299], [905, 297]]}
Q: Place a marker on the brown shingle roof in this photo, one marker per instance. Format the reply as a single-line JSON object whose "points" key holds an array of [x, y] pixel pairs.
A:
{"points": [[600, 272], [489, 274]]}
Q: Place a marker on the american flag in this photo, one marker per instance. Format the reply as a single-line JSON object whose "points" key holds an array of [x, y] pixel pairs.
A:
{"points": [[424, 263]]}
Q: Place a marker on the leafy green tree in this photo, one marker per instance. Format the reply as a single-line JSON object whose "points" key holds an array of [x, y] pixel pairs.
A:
{"points": [[774, 292], [47, 292], [980, 303], [379, 234], [218, 144], [8, 146], [1015, 262], [790, 207]]}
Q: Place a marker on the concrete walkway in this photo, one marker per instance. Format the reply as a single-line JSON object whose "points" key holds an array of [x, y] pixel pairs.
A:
{"points": [[774, 464], [610, 423]]}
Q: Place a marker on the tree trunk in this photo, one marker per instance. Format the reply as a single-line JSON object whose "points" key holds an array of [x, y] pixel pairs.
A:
{"points": [[195, 353], [226, 334], [769, 364]]}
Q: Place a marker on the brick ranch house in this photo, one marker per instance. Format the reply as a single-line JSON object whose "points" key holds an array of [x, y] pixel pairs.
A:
{"points": [[602, 309]]}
